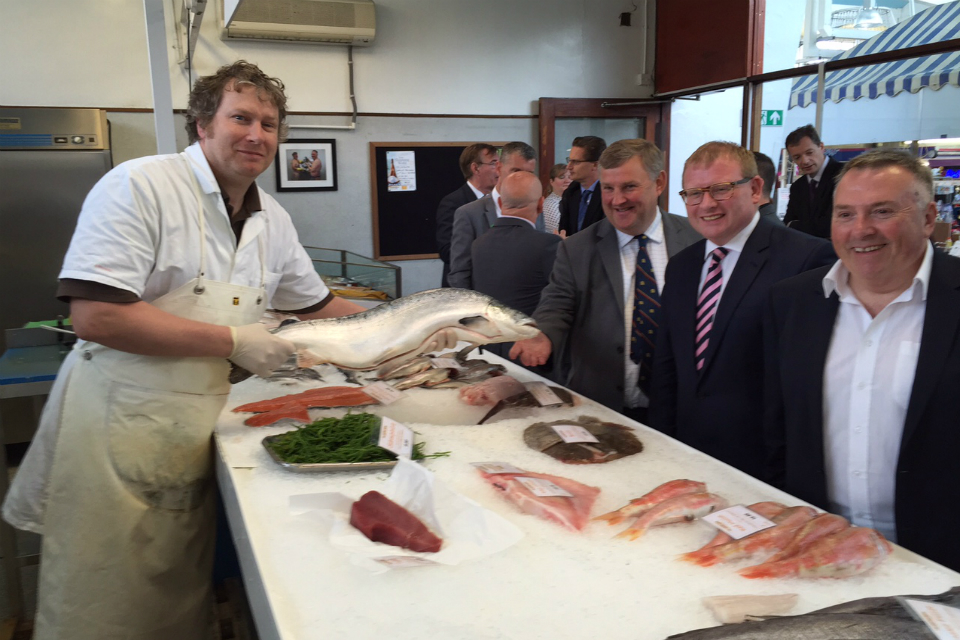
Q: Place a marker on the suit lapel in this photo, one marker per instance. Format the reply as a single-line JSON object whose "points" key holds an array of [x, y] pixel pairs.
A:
{"points": [[608, 247], [817, 319], [751, 261], [941, 326], [490, 211]]}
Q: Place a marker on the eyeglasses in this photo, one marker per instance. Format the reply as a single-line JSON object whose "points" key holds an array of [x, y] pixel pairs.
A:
{"points": [[576, 162], [495, 161], [719, 191]]}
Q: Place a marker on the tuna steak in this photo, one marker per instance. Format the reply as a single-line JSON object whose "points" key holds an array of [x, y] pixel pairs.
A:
{"points": [[383, 520]]}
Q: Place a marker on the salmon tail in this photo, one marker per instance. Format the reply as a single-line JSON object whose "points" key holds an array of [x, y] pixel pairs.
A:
{"points": [[701, 557], [769, 570]]}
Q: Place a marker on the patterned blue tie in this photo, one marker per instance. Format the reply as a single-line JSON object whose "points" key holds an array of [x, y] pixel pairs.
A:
{"points": [[646, 307], [584, 203]]}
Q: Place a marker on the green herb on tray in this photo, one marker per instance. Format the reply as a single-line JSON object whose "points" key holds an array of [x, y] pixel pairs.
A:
{"points": [[338, 440]]}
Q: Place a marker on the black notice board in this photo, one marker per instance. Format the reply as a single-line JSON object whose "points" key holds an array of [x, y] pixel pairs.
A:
{"points": [[404, 222]]}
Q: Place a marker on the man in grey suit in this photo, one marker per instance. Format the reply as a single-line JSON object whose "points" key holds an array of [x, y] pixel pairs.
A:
{"points": [[512, 261], [589, 307], [474, 219]]}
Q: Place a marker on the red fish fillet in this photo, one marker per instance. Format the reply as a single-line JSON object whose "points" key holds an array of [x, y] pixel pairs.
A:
{"points": [[321, 397], [572, 513], [383, 520]]}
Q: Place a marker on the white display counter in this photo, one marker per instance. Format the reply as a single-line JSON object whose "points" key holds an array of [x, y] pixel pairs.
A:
{"points": [[552, 584]]}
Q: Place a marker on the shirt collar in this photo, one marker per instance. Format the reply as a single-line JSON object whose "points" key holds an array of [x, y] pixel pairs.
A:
{"points": [[654, 232], [476, 191], [826, 159], [738, 241], [590, 188], [496, 205], [838, 279]]}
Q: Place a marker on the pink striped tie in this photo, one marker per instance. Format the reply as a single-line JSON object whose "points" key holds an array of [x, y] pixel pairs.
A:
{"points": [[707, 303]]}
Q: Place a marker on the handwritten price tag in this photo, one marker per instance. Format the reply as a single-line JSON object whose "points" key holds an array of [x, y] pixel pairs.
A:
{"points": [[942, 620], [543, 394], [497, 467], [398, 562], [395, 437], [446, 363], [382, 392], [738, 521], [574, 433], [543, 488]]}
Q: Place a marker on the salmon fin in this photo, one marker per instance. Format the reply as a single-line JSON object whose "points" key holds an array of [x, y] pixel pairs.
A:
{"points": [[307, 359]]}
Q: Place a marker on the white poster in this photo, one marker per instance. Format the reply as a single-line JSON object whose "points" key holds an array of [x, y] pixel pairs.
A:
{"points": [[401, 171]]}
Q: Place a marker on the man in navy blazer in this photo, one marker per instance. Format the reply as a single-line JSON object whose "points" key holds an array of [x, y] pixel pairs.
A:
{"points": [[863, 365], [811, 196], [480, 166], [584, 166], [707, 388], [513, 260], [474, 219], [585, 311]]}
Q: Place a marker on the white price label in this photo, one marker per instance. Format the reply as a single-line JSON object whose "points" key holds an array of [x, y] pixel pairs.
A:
{"points": [[382, 392], [397, 562], [497, 467], [446, 363], [574, 433], [543, 488], [543, 394], [942, 620], [738, 521], [396, 437]]}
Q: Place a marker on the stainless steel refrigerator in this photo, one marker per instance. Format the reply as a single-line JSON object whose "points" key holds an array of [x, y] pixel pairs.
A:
{"points": [[49, 160]]}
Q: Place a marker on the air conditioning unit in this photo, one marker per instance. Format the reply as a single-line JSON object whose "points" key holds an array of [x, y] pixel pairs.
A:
{"points": [[321, 21]]}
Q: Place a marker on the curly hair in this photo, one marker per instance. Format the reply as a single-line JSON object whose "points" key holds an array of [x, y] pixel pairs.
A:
{"points": [[208, 91]]}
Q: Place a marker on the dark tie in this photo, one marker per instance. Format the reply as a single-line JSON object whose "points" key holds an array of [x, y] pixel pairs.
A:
{"points": [[813, 189], [707, 304], [584, 202], [646, 307]]}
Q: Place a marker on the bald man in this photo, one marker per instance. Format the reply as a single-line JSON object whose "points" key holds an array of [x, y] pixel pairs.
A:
{"points": [[513, 260]]}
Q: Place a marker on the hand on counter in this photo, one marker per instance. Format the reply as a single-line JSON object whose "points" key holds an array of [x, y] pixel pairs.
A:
{"points": [[532, 352]]}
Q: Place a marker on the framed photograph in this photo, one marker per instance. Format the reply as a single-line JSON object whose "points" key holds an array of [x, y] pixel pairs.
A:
{"points": [[307, 165]]}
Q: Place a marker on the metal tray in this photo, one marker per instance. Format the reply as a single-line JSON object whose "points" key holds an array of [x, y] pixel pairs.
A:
{"points": [[303, 467]]}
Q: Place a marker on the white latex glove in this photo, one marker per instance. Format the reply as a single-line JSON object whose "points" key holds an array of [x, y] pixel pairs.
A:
{"points": [[443, 339], [257, 350]]}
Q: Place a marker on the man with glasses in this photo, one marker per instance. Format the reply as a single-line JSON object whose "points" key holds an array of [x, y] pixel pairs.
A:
{"points": [[597, 312], [708, 365], [474, 219], [480, 166], [579, 205], [811, 195], [863, 362]]}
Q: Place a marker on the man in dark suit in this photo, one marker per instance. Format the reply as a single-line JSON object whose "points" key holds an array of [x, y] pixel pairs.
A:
{"points": [[811, 195], [580, 204], [708, 366], [597, 291], [512, 261], [474, 219], [480, 166], [863, 363], [768, 172]]}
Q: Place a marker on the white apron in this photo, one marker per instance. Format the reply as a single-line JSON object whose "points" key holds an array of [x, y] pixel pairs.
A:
{"points": [[129, 520]]}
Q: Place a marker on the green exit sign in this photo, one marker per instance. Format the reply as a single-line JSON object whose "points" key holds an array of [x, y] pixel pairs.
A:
{"points": [[771, 118]]}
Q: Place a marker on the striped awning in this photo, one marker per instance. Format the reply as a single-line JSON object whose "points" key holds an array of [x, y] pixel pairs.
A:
{"points": [[936, 24]]}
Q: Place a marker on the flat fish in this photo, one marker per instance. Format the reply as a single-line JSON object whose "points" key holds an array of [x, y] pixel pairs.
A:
{"points": [[508, 407], [615, 441]]}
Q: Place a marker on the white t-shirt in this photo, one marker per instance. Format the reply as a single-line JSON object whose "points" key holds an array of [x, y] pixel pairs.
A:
{"points": [[139, 231]]}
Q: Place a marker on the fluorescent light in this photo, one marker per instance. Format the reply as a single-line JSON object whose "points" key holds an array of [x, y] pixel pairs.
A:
{"points": [[933, 142]]}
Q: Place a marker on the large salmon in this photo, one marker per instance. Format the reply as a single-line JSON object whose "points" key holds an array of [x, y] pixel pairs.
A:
{"points": [[404, 328]]}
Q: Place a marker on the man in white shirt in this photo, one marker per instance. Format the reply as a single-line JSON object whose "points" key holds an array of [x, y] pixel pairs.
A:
{"points": [[707, 386], [863, 364], [605, 278]]}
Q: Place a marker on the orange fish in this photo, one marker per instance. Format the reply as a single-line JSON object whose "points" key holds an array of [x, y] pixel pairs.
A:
{"points": [[686, 507], [822, 526], [766, 509], [762, 542], [846, 553], [637, 506]]}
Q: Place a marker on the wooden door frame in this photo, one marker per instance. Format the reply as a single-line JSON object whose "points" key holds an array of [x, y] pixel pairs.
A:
{"points": [[656, 114]]}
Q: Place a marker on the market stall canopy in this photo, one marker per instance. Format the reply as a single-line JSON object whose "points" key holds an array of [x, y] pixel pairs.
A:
{"points": [[936, 24]]}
